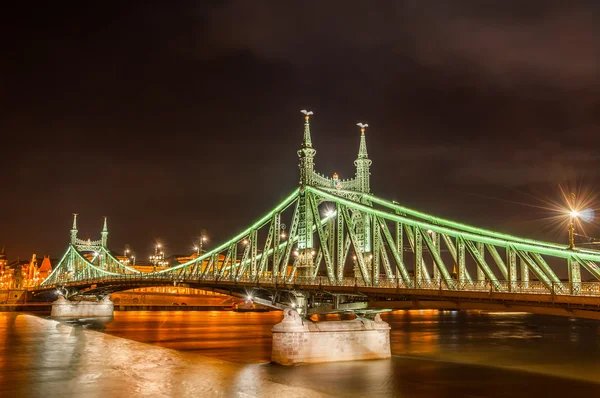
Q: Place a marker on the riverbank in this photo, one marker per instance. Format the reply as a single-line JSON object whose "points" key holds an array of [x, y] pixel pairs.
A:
{"points": [[70, 360]]}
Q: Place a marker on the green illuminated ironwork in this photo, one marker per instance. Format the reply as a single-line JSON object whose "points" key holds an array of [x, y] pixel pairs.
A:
{"points": [[358, 224]]}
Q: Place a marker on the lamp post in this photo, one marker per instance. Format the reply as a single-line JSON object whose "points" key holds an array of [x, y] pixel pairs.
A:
{"points": [[126, 255], [203, 239], [158, 259], [573, 215]]}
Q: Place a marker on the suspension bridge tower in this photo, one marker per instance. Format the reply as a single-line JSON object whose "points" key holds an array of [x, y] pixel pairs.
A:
{"points": [[351, 188]]}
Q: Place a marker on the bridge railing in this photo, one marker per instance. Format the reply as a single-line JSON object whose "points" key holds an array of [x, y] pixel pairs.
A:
{"points": [[588, 289]]}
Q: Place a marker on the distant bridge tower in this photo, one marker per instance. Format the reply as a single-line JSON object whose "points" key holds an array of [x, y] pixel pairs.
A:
{"points": [[74, 230], [104, 234]]}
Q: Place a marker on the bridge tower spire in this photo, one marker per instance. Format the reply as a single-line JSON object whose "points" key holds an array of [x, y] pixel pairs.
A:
{"points": [[74, 230], [306, 153], [305, 219], [363, 163], [363, 225], [104, 234]]}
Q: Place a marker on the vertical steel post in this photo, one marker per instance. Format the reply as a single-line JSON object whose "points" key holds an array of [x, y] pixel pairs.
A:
{"points": [[399, 245], [435, 237], [375, 252], [524, 273], [480, 273], [276, 237], [511, 259], [418, 258], [341, 253], [253, 252], [462, 266], [574, 275]]}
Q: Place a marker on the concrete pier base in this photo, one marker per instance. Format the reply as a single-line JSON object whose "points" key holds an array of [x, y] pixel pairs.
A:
{"points": [[296, 340], [63, 308]]}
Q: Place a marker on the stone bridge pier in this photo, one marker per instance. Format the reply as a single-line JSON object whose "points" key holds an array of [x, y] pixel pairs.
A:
{"points": [[297, 340], [72, 309]]}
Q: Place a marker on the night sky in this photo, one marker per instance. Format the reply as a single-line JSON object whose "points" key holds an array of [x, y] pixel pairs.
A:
{"points": [[171, 117]]}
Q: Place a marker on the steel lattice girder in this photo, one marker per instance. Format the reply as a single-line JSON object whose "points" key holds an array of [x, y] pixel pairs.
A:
{"points": [[477, 235], [473, 239]]}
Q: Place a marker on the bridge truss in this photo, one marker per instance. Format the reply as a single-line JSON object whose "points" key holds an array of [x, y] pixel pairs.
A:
{"points": [[474, 258], [340, 235]]}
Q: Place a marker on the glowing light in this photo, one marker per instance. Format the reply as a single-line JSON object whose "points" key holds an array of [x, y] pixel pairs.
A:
{"points": [[587, 215], [574, 213], [283, 235], [249, 298], [245, 242], [328, 213], [312, 252], [296, 253]]}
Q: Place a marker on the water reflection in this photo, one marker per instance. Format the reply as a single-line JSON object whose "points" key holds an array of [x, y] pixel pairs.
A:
{"points": [[449, 353]]}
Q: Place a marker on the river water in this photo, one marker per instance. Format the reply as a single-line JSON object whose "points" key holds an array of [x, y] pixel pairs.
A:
{"points": [[435, 354]]}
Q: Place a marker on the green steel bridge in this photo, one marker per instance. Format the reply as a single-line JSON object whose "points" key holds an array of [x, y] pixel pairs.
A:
{"points": [[349, 250]]}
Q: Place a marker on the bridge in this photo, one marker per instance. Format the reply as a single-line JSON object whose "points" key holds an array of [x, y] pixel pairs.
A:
{"points": [[347, 250]]}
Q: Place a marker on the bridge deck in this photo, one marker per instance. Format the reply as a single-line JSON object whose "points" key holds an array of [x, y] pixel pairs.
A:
{"points": [[389, 294]]}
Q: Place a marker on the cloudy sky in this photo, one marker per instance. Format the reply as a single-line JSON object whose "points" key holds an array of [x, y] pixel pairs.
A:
{"points": [[169, 117]]}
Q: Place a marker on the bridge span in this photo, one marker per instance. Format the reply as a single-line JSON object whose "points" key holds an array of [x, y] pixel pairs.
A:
{"points": [[352, 295], [333, 246]]}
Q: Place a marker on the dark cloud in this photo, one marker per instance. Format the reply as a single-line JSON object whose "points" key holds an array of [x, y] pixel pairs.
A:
{"points": [[173, 117]]}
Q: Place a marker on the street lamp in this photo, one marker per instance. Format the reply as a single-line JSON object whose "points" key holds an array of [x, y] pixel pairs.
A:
{"points": [[158, 259], [203, 239], [573, 215]]}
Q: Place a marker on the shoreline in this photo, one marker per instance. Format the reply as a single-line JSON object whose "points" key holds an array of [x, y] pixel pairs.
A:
{"points": [[95, 361]]}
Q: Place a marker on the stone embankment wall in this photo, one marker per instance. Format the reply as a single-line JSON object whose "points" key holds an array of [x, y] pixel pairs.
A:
{"points": [[297, 340]]}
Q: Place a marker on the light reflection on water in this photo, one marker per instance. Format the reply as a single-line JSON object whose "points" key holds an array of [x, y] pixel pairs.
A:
{"points": [[556, 345], [434, 352]]}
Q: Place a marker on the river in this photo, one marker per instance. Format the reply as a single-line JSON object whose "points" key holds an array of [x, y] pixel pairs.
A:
{"points": [[435, 353]]}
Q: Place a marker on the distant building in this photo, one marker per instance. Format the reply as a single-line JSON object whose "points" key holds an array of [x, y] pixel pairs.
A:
{"points": [[21, 274]]}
